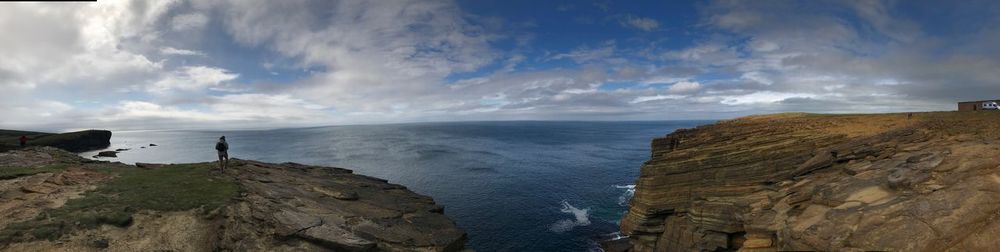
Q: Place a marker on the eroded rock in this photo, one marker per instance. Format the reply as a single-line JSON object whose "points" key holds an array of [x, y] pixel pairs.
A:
{"points": [[826, 183]]}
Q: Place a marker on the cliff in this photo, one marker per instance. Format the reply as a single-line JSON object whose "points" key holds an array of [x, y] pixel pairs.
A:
{"points": [[889, 182], [79, 141], [51, 199]]}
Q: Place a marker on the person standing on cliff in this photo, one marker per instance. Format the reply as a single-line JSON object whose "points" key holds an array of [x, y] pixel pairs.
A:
{"points": [[223, 148], [23, 140]]}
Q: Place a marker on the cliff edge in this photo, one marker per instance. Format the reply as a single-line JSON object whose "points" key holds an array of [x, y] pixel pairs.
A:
{"points": [[887, 182], [78, 141], [51, 199]]}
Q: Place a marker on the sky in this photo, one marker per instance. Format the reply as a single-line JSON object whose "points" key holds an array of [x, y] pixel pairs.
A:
{"points": [[233, 64]]}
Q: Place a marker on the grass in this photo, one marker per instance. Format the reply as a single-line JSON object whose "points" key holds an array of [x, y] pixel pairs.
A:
{"points": [[10, 172], [171, 188], [49, 139]]}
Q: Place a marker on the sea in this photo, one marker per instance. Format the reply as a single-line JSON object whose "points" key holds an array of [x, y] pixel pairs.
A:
{"points": [[513, 185]]}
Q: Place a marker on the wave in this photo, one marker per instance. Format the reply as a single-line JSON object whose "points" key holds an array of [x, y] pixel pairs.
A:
{"points": [[581, 217], [627, 195]]}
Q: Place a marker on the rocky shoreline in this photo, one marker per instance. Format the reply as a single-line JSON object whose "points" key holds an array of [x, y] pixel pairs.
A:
{"points": [[889, 182], [51, 199]]}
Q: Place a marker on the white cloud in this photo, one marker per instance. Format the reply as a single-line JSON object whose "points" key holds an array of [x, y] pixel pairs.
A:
{"points": [[140, 110], [266, 107], [189, 21], [587, 54], [250, 110], [757, 77], [193, 79], [641, 23], [642, 99], [327, 61], [78, 44], [375, 54], [762, 97], [174, 51], [684, 87]]}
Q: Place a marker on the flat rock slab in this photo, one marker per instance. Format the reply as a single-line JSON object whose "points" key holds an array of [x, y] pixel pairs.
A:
{"points": [[336, 238], [291, 222], [334, 209]]}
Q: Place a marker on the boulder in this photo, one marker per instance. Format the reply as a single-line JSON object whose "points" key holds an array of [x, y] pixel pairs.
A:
{"points": [[149, 165], [107, 154]]}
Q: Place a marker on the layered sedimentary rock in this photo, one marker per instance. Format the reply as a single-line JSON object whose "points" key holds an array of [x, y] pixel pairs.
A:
{"points": [[334, 209], [53, 200], [897, 182]]}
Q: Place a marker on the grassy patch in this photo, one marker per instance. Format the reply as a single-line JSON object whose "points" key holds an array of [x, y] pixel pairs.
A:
{"points": [[9, 172], [171, 188]]}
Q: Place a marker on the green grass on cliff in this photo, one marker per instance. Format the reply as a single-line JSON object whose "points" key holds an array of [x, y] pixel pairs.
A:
{"points": [[171, 188], [9, 172]]}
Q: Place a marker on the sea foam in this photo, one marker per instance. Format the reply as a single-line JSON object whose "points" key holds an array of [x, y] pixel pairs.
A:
{"points": [[581, 217], [629, 191]]}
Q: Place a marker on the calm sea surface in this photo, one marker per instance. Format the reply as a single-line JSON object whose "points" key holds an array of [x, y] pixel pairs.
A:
{"points": [[513, 186]]}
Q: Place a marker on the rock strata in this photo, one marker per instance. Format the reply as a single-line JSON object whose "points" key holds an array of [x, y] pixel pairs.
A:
{"points": [[278, 207], [333, 209], [822, 182]]}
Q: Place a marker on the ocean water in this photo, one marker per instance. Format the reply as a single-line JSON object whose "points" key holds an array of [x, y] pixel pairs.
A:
{"points": [[513, 186]]}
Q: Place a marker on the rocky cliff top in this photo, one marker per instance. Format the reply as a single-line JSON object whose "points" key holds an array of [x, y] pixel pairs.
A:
{"points": [[51, 199], [896, 182], [78, 141]]}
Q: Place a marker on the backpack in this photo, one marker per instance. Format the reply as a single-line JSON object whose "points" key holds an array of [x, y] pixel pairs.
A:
{"points": [[220, 146]]}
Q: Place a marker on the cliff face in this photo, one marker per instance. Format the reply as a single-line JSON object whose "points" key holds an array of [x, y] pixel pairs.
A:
{"points": [[926, 182], [53, 200], [75, 141], [79, 141]]}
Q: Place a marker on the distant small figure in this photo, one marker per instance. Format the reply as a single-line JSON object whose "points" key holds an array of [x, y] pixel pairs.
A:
{"points": [[909, 116], [223, 149], [23, 140]]}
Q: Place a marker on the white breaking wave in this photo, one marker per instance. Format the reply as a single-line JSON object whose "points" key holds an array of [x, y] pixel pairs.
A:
{"points": [[581, 217], [629, 191]]}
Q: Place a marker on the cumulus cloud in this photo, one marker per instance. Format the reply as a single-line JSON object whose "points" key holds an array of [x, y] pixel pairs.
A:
{"points": [[312, 62]]}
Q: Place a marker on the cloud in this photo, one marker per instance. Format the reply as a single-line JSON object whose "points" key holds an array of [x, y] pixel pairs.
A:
{"points": [[586, 54], [684, 87], [174, 51], [230, 111], [140, 110], [266, 107], [376, 54], [193, 78], [641, 99], [189, 21], [312, 62], [641, 23]]}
